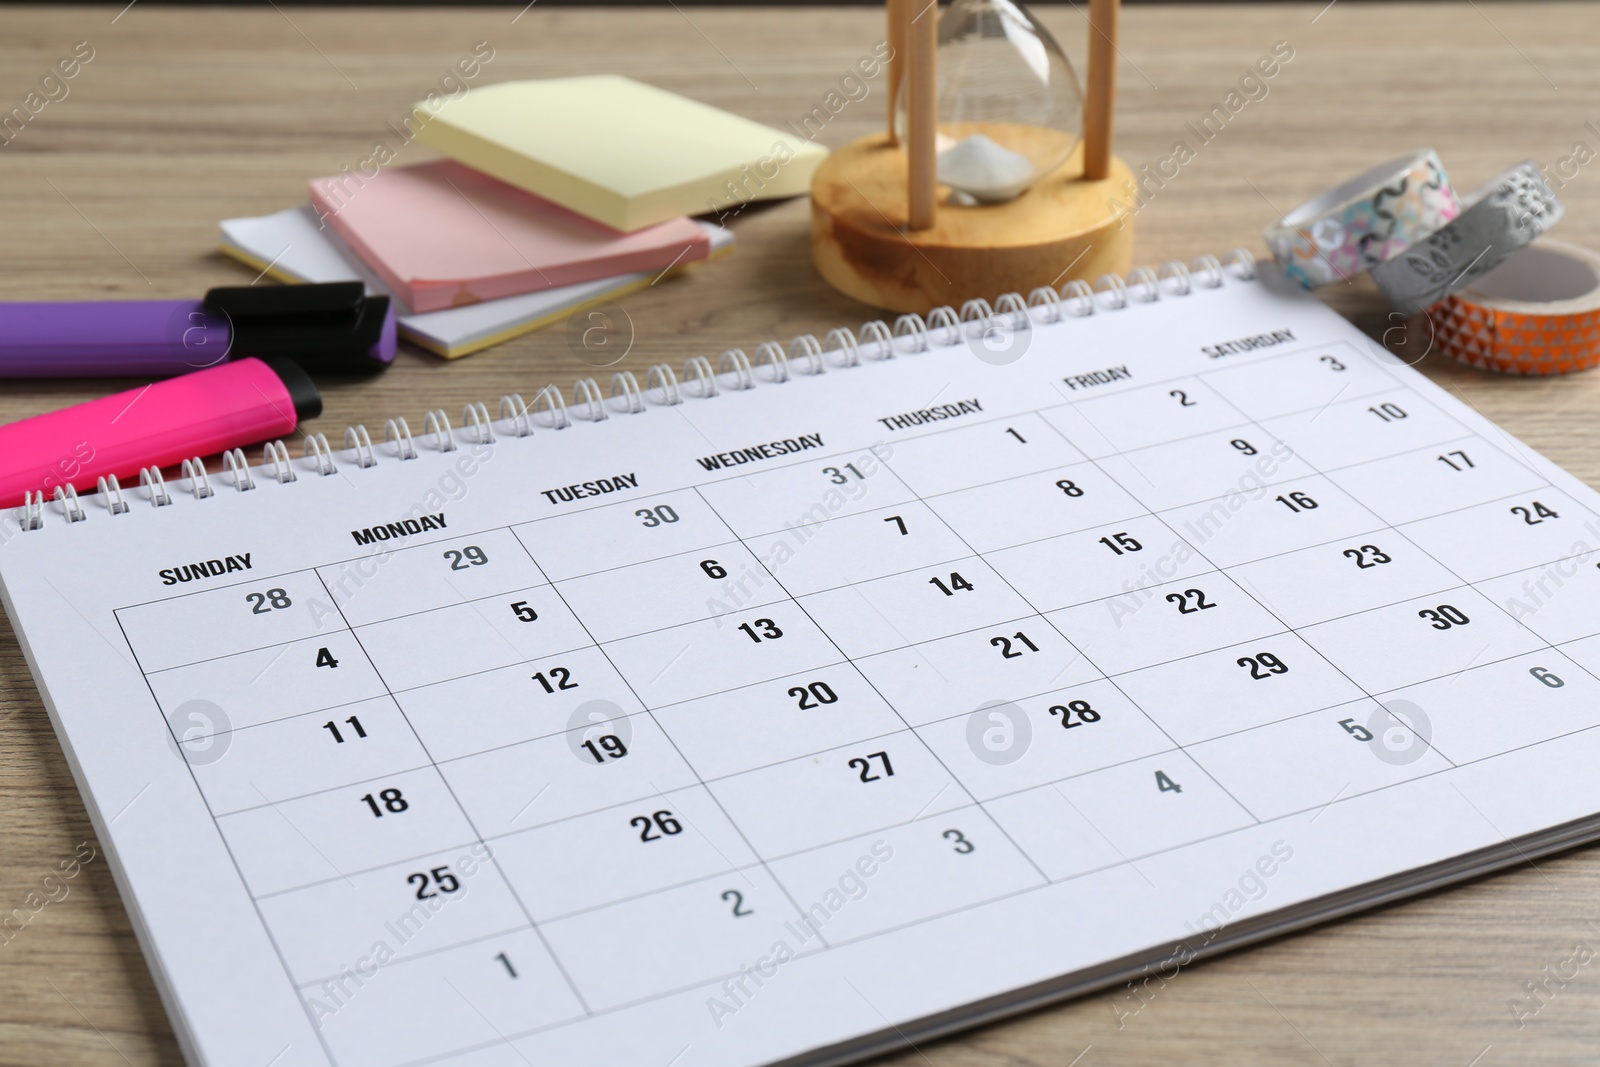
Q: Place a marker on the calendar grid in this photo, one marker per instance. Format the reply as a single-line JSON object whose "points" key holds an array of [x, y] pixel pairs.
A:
{"points": [[714, 980], [1399, 530], [784, 851], [1243, 584], [910, 570], [516, 895], [954, 779], [1131, 859], [1103, 673], [650, 712], [1521, 623], [823, 522], [255, 905], [863, 740]]}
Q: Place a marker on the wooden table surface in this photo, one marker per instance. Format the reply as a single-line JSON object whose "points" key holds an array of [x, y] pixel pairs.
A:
{"points": [[185, 116]]}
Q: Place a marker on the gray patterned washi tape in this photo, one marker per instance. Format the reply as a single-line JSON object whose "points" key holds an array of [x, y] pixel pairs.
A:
{"points": [[1506, 214]]}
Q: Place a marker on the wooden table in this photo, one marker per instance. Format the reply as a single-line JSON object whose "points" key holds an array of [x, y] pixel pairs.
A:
{"points": [[187, 116]]}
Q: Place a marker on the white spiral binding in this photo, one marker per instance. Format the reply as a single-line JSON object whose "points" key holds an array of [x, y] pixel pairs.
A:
{"points": [[841, 340], [398, 433], [1048, 303], [437, 423], [662, 378], [771, 354], [111, 493], [237, 467], [944, 320], [357, 440], [624, 382], [876, 333], [586, 391], [1112, 291], [277, 454], [697, 371], [67, 497], [942, 327], [806, 346], [199, 484], [317, 450], [1078, 297], [150, 478], [1013, 310], [475, 420], [976, 311], [514, 410], [1209, 270], [550, 398], [1143, 285], [914, 331], [1176, 275], [735, 363]]}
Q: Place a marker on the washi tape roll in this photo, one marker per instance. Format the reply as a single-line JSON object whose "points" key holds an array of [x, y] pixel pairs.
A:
{"points": [[1369, 219], [1508, 213], [1536, 313]]}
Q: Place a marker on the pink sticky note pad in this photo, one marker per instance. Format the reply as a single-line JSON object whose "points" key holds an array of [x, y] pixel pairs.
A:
{"points": [[442, 235]]}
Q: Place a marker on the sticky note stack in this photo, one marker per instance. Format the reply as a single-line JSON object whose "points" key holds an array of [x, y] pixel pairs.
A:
{"points": [[623, 153], [557, 194], [443, 235]]}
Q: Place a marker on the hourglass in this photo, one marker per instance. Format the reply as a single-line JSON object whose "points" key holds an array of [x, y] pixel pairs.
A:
{"points": [[995, 173]]}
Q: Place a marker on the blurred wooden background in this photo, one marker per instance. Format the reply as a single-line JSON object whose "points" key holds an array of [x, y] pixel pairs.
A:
{"points": [[189, 115]]}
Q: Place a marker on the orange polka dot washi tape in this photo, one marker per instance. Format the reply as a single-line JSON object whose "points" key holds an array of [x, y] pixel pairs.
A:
{"points": [[1536, 313]]}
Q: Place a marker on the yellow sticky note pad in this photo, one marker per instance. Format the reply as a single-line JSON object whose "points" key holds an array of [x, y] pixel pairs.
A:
{"points": [[619, 151]]}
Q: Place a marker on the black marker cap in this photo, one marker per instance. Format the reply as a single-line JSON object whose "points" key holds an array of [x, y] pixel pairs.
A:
{"points": [[302, 390], [331, 328]]}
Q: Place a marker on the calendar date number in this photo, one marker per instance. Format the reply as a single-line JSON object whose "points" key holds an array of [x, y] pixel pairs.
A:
{"points": [[761, 630], [261, 603], [1534, 513], [1075, 713], [471, 556], [387, 801], [1190, 601], [1263, 665], [813, 695], [1367, 556], [606, 747], [439, 879], [1010, 651], [1444, 617], [656, 826], [868, 766], [556, 678]]}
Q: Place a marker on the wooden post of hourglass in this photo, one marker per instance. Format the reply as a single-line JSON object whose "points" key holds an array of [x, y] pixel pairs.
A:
{"points": [[879, 233], [922, 114], [1102, 95], [899, 32]]}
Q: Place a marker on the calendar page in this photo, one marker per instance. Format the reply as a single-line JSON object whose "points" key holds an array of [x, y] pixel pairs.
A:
{"points": [[797, 721]]}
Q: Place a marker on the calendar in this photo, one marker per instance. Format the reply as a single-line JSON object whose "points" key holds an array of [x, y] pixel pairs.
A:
{"points": [[790, 707]]}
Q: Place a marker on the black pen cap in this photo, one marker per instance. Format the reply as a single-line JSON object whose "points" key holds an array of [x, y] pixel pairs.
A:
{"points": [[331, 328], [303, 391]]}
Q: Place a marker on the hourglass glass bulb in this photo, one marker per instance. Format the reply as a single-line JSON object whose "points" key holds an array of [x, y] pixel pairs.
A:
{"points": [[1010, 109]]}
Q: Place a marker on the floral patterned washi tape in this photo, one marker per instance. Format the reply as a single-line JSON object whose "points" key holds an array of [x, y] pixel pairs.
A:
{"points": [[1365, 221]]}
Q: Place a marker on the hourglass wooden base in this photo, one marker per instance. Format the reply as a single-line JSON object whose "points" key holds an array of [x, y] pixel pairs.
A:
{"points": [[1062, 228]]}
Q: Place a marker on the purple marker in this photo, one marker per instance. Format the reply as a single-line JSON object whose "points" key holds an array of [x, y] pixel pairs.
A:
{"points": [[333, 328]]}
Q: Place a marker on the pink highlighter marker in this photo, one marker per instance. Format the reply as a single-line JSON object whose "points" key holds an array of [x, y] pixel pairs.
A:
{"points": [[198, 414]]}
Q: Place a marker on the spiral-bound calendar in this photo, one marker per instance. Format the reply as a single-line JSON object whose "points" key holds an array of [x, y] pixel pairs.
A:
{"points": [[798, 704]]}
